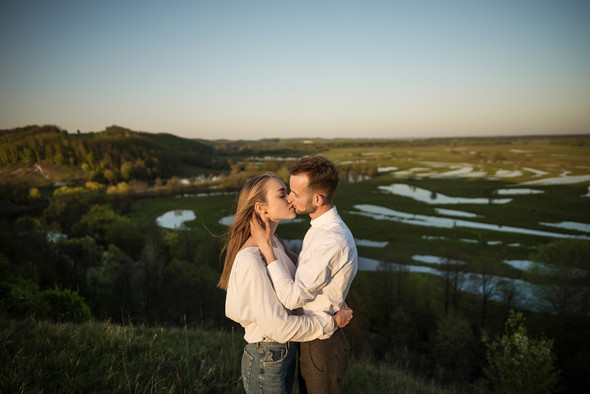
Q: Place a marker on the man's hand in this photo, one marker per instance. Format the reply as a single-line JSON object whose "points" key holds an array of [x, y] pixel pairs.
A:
{"points": [[343, 316], [262, 236]]}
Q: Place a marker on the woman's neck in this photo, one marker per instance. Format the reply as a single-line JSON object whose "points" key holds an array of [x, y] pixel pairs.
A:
{"points": [[250, 242]]}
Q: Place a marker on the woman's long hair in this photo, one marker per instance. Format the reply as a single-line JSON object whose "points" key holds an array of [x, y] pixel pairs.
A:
{"points": [[253, 191]]}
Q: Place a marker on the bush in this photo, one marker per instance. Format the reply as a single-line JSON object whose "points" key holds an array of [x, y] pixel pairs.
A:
{"points": [[518, 363], [63, 305], [19, 297]]}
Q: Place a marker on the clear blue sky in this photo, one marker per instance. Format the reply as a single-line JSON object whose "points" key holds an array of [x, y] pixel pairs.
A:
{"points": [[258, 69]]}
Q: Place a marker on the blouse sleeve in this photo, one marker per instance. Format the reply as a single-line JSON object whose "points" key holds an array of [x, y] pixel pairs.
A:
{"points": [[258, 304]]}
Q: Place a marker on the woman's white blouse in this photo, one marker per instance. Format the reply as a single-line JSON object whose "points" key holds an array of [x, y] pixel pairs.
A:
{"points": [[251, 301]]}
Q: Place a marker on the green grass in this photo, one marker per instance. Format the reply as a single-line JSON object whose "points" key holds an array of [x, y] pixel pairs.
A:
{"points": [[557, 203], [105, 358]]}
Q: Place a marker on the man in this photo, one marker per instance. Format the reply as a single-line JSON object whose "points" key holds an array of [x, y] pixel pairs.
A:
{"points": [[326, 267]]}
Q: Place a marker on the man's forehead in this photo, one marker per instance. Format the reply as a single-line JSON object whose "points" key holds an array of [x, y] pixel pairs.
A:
{"points": [[298, 182]]}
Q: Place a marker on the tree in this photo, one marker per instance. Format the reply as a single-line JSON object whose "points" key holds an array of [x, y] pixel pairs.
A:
{"points": [[518, 363], [564, 266], [454, 278], [485, 283], [452, 347], [111, 284], [81, 253], [508, 291]]}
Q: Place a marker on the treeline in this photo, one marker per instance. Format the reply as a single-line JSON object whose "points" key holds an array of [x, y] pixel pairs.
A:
{"points": [[85, 256], [83, 245], [436, 328], [300, 146], [113, 155]]}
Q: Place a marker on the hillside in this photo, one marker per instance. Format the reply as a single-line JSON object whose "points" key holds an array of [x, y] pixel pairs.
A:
{"points": [[46, 155], [103, 357]]}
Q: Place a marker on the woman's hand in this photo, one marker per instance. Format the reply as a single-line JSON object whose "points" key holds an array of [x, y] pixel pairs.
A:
{"points": [[343, 316], [262, 236]]}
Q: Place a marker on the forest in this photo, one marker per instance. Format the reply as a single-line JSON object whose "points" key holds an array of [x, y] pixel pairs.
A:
{"points": [[80, 241]]}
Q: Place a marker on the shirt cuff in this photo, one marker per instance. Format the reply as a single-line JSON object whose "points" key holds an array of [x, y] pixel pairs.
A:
{"points": [[273, 263], [327, 324]]}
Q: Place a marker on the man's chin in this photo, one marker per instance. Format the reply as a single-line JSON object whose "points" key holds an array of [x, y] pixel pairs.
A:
{"points": [[303, 211]]}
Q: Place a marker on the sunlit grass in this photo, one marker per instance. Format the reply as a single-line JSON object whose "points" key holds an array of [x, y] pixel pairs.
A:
{"points": [[38, 356]]}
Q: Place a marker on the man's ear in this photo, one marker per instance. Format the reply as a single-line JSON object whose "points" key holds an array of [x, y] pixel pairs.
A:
{"points": [[319, 200]]}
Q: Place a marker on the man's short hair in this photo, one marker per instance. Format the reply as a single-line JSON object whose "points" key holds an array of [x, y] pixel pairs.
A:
{"points": [[322, 174]]}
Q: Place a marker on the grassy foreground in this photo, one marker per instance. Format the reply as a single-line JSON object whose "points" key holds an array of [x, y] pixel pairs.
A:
{"points": [[102, 357]]}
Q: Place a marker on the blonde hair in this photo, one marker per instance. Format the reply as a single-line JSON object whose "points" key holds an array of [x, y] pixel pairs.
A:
{"points": [[253, 191]]}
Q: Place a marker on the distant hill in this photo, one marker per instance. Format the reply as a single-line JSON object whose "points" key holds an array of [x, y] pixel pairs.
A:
{"points": [[113, 155]]}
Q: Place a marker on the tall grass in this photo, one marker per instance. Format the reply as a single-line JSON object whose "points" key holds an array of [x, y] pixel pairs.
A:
{"points": [[39, 356], [101, 357]]}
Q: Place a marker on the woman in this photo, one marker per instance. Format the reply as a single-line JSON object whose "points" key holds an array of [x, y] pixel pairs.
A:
{"points": [[268, 361]]}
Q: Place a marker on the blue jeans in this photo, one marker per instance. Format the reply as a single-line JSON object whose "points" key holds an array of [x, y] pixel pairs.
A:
{"points": [[269, 367]]}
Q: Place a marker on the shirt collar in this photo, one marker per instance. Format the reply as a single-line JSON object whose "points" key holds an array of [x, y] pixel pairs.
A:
{"points": [[325, 217]]}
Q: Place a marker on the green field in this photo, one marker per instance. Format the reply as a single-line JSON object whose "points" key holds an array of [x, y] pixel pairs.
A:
{"points": [[557, 203], [419, 315]]}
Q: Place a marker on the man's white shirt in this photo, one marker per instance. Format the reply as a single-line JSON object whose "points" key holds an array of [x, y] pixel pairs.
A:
{"points": [[252, 302], [326, 267]]}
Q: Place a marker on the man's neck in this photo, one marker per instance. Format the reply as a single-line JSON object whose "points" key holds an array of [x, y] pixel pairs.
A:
{"points": [[320, 211]]}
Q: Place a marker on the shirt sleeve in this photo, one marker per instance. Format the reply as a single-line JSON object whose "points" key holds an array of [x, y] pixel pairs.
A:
{"points": [[258, 304], [311, 276]]}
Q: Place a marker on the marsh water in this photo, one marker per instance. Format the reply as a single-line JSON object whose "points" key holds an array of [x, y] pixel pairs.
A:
{"points": [[444, 218]]}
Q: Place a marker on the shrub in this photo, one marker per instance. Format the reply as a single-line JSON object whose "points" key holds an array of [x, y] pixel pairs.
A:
{"points": [[19, 297], [63, 305], [518, 363]]}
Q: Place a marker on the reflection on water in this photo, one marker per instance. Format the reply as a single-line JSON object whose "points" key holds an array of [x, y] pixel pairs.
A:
{"points": [[526, 290], [519, 264], [434, 259], [175, 219], [469, 171], [537, 173], [386, 169], [452, 212], [507, 174], [570, 226], [518, 191], [561, 180], [431, 197], [381, 213], [458, 171], [370, 244]]}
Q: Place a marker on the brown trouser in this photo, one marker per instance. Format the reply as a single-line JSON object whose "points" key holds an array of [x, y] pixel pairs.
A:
{"points": [[322, 363]]}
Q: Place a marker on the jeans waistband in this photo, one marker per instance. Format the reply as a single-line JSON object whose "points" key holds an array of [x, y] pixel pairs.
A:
{"points": [[268, 343]]}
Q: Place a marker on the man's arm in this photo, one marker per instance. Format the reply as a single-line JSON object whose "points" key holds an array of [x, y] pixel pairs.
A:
{"points": [[310, 278], [256, 303]]}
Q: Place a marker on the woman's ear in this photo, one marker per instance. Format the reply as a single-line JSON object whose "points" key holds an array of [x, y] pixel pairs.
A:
{"points": [[260, 208]]}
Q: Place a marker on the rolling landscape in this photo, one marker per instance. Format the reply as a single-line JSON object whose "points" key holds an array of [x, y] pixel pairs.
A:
{"points": [[111, 251]]}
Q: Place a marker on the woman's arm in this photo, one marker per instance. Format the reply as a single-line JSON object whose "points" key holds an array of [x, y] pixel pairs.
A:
{"points": [[257, 303]]}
